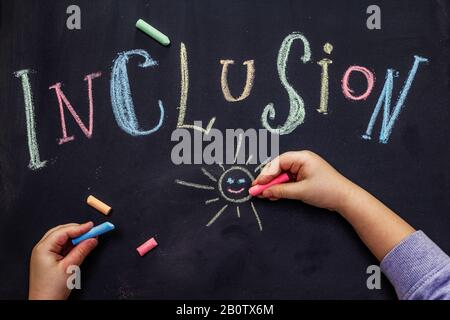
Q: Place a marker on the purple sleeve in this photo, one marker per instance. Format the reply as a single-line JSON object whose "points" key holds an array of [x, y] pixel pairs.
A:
{"points": [[418, 269]]}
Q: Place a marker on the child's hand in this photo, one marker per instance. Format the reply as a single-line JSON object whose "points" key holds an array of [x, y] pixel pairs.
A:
{"points": [[316, 181], [51, 257]]}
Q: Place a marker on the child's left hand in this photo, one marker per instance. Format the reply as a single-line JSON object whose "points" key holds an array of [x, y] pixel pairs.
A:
{"points": [[51, 257]]}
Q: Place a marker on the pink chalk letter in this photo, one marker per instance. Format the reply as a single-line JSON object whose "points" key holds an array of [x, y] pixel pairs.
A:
{"points": [[62, 98], [348, 93]]}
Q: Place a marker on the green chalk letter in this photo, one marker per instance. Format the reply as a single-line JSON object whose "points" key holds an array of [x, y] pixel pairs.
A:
{"points": [[297, 107], [33, 148]]}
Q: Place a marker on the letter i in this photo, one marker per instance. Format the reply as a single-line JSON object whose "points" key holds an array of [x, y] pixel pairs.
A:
{"points": [[33, 148], [323, 107]]}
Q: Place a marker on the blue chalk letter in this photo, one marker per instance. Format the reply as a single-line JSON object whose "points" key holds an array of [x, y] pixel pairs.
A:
{"points": [[121, 100], [385, 101]]}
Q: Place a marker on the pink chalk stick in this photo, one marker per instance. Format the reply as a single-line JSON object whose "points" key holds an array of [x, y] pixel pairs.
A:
{"points": [[259, 188], [146, 246]]}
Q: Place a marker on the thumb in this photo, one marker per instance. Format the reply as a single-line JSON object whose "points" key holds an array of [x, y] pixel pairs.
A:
{"points": [[292, 190], [77, 255]]}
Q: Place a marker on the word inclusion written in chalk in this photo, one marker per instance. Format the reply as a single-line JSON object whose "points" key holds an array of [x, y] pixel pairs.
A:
{"points": [[386, 108]]}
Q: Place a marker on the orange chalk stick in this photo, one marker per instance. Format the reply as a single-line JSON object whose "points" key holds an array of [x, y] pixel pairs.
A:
{"points": [[99, 205]]}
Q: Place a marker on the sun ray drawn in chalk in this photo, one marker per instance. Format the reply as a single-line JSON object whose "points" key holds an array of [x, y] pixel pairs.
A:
{"points": [[257, 216], [250, 157], [212, 200], [209, 175], [217, 215], [194, 185], [238, 149], [232, 184]]}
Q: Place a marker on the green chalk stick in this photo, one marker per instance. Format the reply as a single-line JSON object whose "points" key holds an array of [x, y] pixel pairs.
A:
{"points": [[152, 32]]}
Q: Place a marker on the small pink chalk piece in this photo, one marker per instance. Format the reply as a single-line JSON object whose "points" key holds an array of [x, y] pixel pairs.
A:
{"points": [[259, 188], [146, 246]]}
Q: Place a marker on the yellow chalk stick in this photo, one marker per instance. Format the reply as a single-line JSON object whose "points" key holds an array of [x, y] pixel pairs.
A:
{"points": [[99, 205]]}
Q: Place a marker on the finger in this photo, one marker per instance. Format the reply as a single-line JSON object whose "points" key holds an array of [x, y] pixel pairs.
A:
{"points": [[268, 172], [77, 255], [77, 231], [56, 241], [288, 161], [255, 182], [57, 228], [290, 190]]}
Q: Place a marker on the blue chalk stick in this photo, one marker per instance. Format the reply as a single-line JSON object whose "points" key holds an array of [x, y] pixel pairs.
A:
{"points": [[95, 231]]}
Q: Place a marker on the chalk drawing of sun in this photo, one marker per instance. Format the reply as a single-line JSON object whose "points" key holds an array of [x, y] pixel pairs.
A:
{"points": [[232, 186]]}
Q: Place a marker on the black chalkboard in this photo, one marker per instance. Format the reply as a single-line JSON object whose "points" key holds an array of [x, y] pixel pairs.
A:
{"points": [[302, 252]]}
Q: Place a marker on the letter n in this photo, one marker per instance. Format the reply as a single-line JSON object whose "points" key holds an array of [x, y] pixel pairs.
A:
{"points": [[62, 99], [384, 101]]}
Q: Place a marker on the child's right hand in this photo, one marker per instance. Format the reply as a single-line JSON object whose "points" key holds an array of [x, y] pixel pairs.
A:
{"points": [[316, 181], [51, 257]]}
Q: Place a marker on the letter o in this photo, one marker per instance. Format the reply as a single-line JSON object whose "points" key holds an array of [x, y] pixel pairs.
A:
{"points": [[348, 93]]}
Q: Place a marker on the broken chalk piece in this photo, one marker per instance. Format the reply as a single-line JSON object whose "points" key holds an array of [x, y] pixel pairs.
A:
{"points": [[259, 188], [99, 205], [94, 232], [152, 32], [146, 246]]}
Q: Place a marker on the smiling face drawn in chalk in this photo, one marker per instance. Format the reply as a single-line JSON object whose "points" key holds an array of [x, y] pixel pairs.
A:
{"points": [[230, 189], [234, 184]]}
